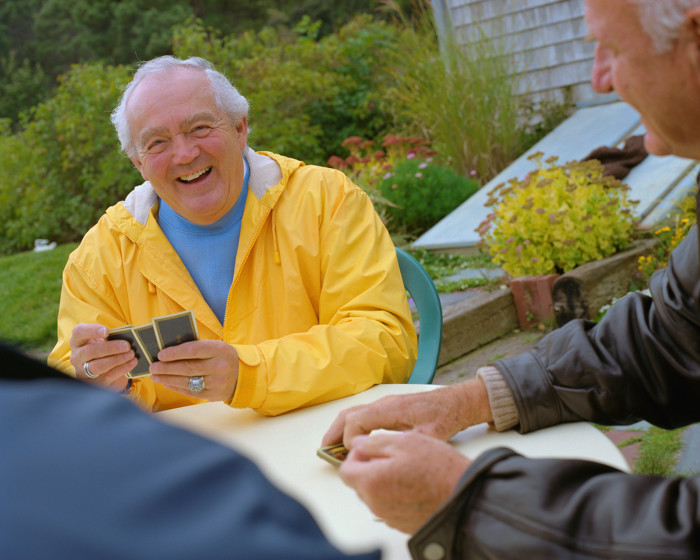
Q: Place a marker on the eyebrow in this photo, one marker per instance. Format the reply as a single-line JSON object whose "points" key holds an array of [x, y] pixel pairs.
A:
{"points": [[205, 116]]}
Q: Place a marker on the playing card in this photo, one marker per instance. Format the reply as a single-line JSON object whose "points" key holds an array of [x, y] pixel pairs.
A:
{"points": [[175, 329], [334, 454], [148, 339], [127, 333]]}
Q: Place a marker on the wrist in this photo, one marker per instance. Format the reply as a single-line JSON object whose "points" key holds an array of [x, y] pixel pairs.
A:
{"points": [[474, 401], [504, 413]]}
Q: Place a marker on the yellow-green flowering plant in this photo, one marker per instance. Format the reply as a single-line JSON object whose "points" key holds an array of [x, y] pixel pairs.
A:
{"points": [[558, 217], [669, 236]]}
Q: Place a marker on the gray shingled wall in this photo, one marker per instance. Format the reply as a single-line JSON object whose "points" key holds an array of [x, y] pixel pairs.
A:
{"points": [[547, 38]]}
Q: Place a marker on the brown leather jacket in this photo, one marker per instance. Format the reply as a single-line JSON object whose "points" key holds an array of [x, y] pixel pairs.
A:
{"points": [[641, 362]]}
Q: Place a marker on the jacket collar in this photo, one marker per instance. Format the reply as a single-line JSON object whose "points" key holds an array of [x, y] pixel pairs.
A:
{"points": [[267, 171]]}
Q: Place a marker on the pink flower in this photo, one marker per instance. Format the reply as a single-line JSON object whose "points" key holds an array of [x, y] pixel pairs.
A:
{"points": [[337, 162], [419, 175], [352, 141], [472, 172], [423, 165], [391, 139], [410, 155], [386, 175]]}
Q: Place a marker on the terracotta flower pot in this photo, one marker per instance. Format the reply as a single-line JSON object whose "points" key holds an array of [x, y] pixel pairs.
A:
{"points": [[533, 298]]}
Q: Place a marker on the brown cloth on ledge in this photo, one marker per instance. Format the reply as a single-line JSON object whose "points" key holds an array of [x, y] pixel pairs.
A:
{"points": [[619, 161]]}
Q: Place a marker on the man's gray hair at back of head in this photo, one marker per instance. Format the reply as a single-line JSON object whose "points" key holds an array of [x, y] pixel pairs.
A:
{"points": [[662, 19], [227, 96]]}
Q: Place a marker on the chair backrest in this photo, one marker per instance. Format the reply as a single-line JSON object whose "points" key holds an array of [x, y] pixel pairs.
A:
{"points": [[425, 296]]}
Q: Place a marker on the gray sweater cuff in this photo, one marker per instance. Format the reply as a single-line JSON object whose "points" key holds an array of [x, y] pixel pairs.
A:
{"points": [[505, 414]]}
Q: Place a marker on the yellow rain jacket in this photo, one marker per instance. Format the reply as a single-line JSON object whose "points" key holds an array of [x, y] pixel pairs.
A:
{"points": [[316, 310]]}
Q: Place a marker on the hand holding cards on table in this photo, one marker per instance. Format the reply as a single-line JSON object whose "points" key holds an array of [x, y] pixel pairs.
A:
{"points": [[334, 454], [149, 339]]}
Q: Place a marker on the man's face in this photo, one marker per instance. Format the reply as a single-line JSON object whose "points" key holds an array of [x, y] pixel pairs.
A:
{"points": [[664, 88], [186, 146]]}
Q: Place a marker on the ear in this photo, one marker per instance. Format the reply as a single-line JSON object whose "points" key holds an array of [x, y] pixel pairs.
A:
{"points": [[692, 38], [138, 165], [242, 130], [692, 17]]}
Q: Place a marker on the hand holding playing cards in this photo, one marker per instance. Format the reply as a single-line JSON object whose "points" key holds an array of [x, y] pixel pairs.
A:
{"points": [[109, 360], [439, 413], [403, 477], [214, 360]]}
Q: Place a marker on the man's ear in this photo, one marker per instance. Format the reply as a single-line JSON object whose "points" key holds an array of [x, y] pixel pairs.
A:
{"points": [[692, 16], [691, 39], [138, 165], [242, 130]]}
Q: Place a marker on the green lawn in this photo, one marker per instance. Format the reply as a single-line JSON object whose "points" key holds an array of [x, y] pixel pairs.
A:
{"points": [[30, 288]]}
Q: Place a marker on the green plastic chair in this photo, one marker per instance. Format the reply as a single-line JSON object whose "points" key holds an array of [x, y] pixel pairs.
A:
{"points": [[421, 288]]}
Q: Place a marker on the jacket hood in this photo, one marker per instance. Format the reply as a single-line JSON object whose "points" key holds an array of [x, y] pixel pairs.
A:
{"points": [[269, 174]]}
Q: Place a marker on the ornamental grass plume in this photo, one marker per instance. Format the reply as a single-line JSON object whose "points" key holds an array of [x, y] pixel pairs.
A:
{"points": [[557, 218]]}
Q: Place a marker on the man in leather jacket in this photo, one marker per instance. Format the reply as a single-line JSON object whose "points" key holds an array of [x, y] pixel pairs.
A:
{"points": [[642, 361]]}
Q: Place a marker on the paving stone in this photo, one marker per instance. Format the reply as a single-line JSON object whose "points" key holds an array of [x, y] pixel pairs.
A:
{"points": [[689, 459], [631, 451]]}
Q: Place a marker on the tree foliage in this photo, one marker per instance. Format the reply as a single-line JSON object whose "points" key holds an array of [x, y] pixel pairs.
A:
{"points": [[63, 167], [309, 89], [59, 174], [48, 36], [306, 94]]}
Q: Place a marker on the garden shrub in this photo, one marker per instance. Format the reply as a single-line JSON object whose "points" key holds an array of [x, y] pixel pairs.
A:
{"points": [[421, 193], [558, 217], [367, 162], [669, 235], [410, 190], [306, 94], [64, 168]]}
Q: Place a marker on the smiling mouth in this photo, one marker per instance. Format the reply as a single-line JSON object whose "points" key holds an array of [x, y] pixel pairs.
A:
{"points": [[194, 176]]}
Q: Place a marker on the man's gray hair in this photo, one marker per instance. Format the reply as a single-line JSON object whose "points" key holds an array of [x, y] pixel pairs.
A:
{"points": [[227, 96], [662, 20]]}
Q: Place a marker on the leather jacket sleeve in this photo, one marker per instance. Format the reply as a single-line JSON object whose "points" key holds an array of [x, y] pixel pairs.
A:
{"points": [[510, 507], [642, 361]]}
